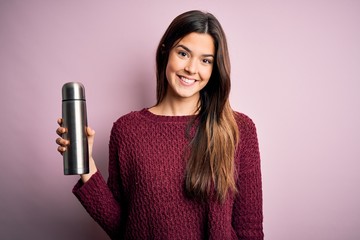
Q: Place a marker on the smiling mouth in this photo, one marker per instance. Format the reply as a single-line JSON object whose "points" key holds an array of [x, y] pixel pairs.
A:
{"points": [[187, 81]]}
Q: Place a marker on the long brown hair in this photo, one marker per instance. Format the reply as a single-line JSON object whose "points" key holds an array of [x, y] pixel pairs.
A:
{"points": [[212, 148]]}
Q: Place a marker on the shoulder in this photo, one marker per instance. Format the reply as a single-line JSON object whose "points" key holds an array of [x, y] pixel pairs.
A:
{"points": [[130, 118], [247, 131], [128, 123], [245, 123]]}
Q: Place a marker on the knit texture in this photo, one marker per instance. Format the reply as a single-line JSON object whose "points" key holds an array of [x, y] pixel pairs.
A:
{"points": [[145, 196]]}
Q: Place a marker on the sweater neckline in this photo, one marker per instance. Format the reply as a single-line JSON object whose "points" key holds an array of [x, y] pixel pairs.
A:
{"points": [[164, 118]]}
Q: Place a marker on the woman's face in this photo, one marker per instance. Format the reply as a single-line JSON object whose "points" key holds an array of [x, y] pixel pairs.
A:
{"points": [[190, 66]]}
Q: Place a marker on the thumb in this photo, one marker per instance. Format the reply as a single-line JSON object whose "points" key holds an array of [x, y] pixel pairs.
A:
{"points": [[90, 132]]}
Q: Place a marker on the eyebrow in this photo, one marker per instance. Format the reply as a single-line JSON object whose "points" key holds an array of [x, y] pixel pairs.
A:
{"points": [[187, 49]]}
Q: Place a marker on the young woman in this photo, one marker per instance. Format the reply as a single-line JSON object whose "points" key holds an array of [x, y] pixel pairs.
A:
{"points": [[188, 167]]}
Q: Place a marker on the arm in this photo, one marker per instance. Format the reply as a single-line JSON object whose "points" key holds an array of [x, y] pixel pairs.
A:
{"points": [[247, 216], [101, 200]]}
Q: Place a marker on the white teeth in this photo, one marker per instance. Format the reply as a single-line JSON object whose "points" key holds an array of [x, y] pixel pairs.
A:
{"points": [[187, 80]]}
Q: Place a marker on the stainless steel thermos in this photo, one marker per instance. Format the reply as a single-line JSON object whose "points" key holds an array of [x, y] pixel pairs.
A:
{"points": [[76, 156]]}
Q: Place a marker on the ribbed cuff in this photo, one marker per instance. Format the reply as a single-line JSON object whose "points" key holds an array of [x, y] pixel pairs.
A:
{"points": [[82, 190]]}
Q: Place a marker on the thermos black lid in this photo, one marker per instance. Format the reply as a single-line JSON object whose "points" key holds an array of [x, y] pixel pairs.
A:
{"points": [[73, 91]]}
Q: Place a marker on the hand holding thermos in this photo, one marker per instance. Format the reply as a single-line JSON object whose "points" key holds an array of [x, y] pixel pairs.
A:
{"points": [[76, 138]]}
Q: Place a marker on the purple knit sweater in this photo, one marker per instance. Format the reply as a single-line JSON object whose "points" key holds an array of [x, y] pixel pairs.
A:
{"points": [[144, 197]]}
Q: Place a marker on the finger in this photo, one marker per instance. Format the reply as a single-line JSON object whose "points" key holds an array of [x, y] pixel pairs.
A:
{"points": [[61, 149], [60, 131], [62, 142], [60, 121], [90, 132]]}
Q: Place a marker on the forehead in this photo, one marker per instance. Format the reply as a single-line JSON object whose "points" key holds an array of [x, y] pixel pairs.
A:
{"points": [[199, 43]]}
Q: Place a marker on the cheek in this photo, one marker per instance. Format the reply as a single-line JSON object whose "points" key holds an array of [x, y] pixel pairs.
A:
{"points": [[206, 73], [168, 71], [170, 67]]}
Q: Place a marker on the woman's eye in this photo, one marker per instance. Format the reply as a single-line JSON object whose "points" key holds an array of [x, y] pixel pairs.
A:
{"points": [[182, 54], [207, 61]]}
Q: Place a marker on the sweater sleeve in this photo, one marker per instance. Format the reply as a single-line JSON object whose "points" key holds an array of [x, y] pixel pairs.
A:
{"points": [[247, 215], [101, 200]]}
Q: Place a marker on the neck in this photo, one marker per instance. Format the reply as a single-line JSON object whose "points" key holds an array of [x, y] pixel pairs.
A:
{"points": [[176, 107]]}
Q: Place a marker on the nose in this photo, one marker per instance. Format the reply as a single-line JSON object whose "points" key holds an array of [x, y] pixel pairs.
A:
{"points": [[191, 67]]}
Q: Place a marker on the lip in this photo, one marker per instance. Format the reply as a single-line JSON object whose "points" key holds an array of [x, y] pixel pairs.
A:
{"points": [[187, 81]]}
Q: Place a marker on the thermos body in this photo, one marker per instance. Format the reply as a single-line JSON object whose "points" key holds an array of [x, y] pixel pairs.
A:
{"points": [[76, 156]]}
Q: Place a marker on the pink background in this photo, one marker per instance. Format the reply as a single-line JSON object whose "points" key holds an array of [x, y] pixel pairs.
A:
{"points": [[295, 72]]}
